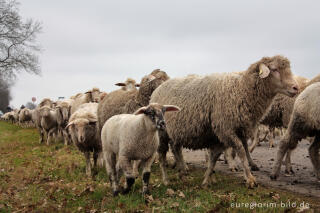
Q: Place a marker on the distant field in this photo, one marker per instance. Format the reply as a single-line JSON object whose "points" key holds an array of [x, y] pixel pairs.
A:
{"points": [[39, 178]]}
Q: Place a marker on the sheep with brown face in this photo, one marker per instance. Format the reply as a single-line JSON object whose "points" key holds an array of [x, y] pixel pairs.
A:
{"points": [[82, 129], [304, 122], [220, 111], [131, 137]]}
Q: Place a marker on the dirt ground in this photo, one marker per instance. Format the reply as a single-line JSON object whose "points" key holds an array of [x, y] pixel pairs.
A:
{"points": [[303, 181]]}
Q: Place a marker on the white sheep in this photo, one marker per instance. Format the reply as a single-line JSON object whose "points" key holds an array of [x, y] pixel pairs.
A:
{"points": [[132, 137], [48, 122], [220, 111], [304, 122]]}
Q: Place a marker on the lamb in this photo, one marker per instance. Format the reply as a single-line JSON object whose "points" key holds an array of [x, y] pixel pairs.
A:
{"points": [[304, 122], [220, 111], [82, 98], [132, 137], [82, 128], [278, 114], [63, 114]]}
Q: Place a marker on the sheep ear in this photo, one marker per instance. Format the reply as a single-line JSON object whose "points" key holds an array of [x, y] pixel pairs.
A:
{"points": [[88, 92], [142, 110], [137, 85], [69, 124], [120, 84], [264, 71], [171, 108]]}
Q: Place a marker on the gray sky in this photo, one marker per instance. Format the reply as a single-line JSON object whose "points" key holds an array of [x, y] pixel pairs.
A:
{"points": [[99, 43]]}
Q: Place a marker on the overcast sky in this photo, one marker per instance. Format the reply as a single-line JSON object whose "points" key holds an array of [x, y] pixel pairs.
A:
{"points": [[99, 43]]}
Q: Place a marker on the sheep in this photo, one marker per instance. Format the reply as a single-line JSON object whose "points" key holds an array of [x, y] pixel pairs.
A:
{"points": [[304, 122], [63, 114], [82, 128], [82, 98], [48, 122], [278, 114], [25, 115], [36, 117], [128, 99], [220, 111], [6, 116], [131, 137]]}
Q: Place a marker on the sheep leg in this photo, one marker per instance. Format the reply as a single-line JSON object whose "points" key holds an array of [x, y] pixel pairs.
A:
{"points": [[41, 139], [126, 166], [162, 152], [289, 171], [213, 155], [229, 155], [255, 140], [110, 159], [95, 160], [65, 137], [314, 155], [285, 144], [181, 165], [238, 146], [136, 165], [271, 141], [88, 163], [48, 137], [253, 166], [146, 173]]}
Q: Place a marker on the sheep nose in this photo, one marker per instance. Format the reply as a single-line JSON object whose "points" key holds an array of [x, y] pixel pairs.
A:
{"points": [[295, 88], [81, 138]]}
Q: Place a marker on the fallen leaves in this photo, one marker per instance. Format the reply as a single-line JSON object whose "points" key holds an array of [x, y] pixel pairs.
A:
{"points": [[170, 192]]}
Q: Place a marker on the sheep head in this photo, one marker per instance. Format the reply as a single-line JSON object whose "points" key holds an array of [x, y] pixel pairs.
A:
{"points": [[155, 112], [83, 129], [148, 84], [128, 85], [277, 71], [93, 95], [45, 111]]}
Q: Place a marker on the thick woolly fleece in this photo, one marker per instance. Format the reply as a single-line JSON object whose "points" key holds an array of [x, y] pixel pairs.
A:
{"points": [[304, 122]]}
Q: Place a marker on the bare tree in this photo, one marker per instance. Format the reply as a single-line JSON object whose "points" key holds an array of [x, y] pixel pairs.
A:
{"points": [[5, 96], [18, 46]]}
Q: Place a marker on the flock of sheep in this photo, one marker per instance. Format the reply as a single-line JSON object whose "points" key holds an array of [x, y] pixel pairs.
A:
{"points": [[126, 128]]}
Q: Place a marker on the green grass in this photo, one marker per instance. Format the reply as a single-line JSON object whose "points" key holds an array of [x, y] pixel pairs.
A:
{"points": [[39, 178]]}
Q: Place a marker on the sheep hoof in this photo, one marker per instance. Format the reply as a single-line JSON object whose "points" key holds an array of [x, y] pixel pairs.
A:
{"points": [[289, 173], [251, 183], [273, 177], [254, 168]]}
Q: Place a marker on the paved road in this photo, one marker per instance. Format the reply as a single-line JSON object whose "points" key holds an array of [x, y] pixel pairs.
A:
{"points": [[304, 180]]}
